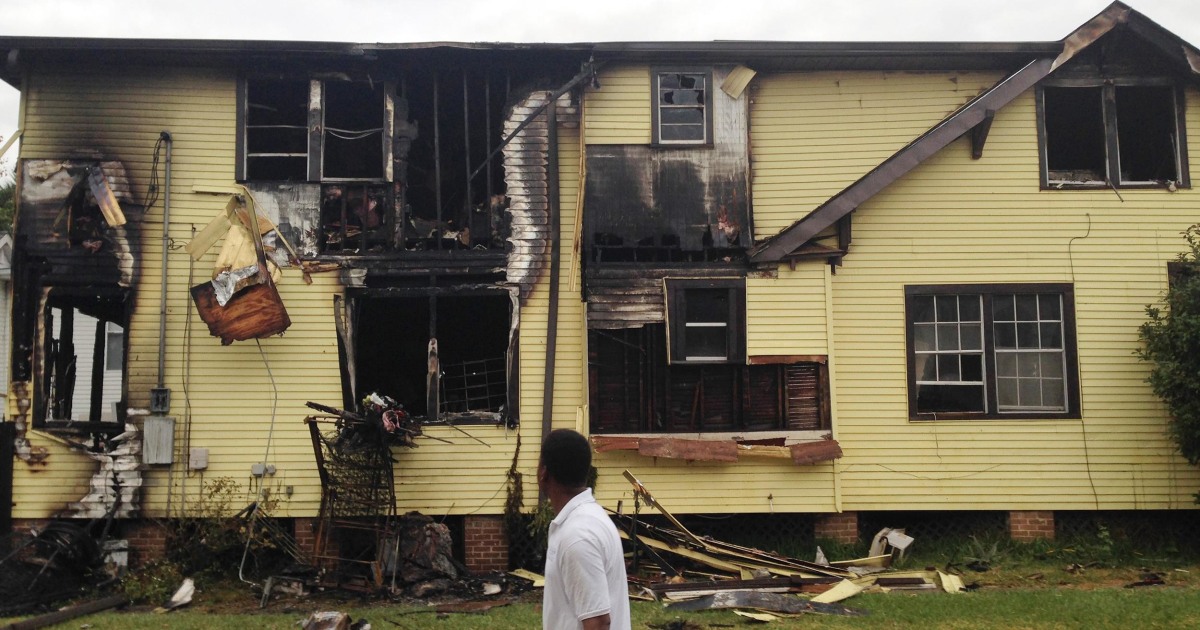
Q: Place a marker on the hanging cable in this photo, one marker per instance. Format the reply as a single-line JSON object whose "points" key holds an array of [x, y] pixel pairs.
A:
{"points": [[256, 506]]}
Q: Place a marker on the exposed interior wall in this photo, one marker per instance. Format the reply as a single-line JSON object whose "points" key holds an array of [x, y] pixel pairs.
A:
{"points": [[956, 220]]}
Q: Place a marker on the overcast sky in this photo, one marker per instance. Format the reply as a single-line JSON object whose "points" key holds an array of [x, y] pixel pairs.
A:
{"points": [[566, 21]]}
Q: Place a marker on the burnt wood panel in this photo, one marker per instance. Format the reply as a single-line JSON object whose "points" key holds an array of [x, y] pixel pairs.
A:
{"points": [[634, 390], [627, 296]]}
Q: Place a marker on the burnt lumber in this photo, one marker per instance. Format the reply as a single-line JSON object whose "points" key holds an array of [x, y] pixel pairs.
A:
{"points": [[771, 602], [66, 614]]}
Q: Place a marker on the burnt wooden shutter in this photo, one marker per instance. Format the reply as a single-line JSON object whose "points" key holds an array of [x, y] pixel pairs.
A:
{"points": [[803, 396]]}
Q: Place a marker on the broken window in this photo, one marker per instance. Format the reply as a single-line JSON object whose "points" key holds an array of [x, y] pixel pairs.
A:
{"points": [[441, 356], [991, 351], [1118, 134], [82, 358], [276, 130], [400, 165], [706, 320], [681, 112], [353, 130], [349, 118], [633, 389]]}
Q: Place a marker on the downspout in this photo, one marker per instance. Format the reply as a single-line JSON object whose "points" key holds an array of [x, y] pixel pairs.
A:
{"points": [[831, 369], [555, 263], [160, 396]]}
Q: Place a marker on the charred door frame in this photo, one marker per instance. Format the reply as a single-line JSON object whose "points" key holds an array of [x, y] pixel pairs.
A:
{"points": [[39, 369], [346, 346], [8, 433]]}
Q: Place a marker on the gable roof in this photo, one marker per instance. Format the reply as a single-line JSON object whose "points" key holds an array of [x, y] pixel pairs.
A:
{"points": [[967, 117]]}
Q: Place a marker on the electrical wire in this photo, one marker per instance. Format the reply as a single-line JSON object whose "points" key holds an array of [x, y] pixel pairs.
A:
{"points": [[1087, 457], [152, 187], [266, 457], [352, 134]]}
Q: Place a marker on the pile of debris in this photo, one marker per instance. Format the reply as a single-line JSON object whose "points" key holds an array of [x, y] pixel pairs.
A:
{"points": [[690, 572]]}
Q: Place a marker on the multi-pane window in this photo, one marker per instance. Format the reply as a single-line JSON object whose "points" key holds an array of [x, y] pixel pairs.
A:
{"points": [[948, 347], [706, 325], [706, 320], [1030, 361], [682, 113], [995, 351], [1112, 134]]}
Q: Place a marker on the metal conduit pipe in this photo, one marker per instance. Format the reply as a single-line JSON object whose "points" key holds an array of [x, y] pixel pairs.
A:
{"points": [[166, 239], [552, 186]]}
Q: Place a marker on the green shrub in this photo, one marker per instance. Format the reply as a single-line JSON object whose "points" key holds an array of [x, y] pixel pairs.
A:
{"points": [[1171, 342]]}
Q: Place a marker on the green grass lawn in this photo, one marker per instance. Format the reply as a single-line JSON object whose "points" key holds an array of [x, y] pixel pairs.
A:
{"points": [[1038, 586], [1057, 606]]}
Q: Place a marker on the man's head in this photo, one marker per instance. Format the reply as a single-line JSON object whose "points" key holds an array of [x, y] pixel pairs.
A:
{"points": [[566, 459]]}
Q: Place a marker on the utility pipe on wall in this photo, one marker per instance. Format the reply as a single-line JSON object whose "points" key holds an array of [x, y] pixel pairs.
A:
{"points": [[555, 265], [161, 391]]}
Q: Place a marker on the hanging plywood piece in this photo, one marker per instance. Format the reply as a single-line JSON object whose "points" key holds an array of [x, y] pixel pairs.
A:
{"points": [[814, 452]]}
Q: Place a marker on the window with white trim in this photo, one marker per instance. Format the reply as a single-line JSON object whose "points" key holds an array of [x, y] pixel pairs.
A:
{"points": [[682, 111], [991, 351]]}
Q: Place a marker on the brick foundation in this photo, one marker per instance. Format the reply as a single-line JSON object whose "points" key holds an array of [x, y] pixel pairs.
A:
{"points": [[147, 540], [23, 525], [304, 530], [842, 527], [1028, 526], [486, 546]]}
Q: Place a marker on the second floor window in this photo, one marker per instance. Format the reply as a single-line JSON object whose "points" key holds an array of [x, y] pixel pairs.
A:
{"points": [[301, 130], [682, 112], [1120, 135]]}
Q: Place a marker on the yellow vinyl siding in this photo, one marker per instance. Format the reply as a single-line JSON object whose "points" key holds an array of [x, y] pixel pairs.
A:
{"points": [[955, 220], [228, 389], [812, 134], [619, 112], [786, 315]]}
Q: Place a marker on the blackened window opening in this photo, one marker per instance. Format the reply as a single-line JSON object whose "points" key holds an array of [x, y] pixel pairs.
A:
{"points": [[634, 390], [1075, 140], [455, 118], [1118, 134], [472, 333], [353, 130], [1147, 134], [277, 130], [82, 360]]}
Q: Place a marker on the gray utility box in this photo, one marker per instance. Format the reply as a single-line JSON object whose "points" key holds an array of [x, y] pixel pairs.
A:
{"points": [[158, 440]]}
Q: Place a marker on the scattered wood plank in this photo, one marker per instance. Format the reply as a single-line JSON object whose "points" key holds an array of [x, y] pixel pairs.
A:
{"points": [[770, 602], [71, 612], [606, 443], [845, 589]]}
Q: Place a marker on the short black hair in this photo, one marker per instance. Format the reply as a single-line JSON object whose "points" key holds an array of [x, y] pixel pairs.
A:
{"points": [[567, 457]]}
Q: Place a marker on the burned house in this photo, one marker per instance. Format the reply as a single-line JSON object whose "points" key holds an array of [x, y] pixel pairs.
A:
{"points": [[812, 278]]}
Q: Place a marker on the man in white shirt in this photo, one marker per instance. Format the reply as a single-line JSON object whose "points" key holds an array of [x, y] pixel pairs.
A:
{"points": [[585, 567]]}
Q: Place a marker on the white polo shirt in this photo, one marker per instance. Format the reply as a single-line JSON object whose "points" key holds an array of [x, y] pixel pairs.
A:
{"points": [[585, 568]]}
